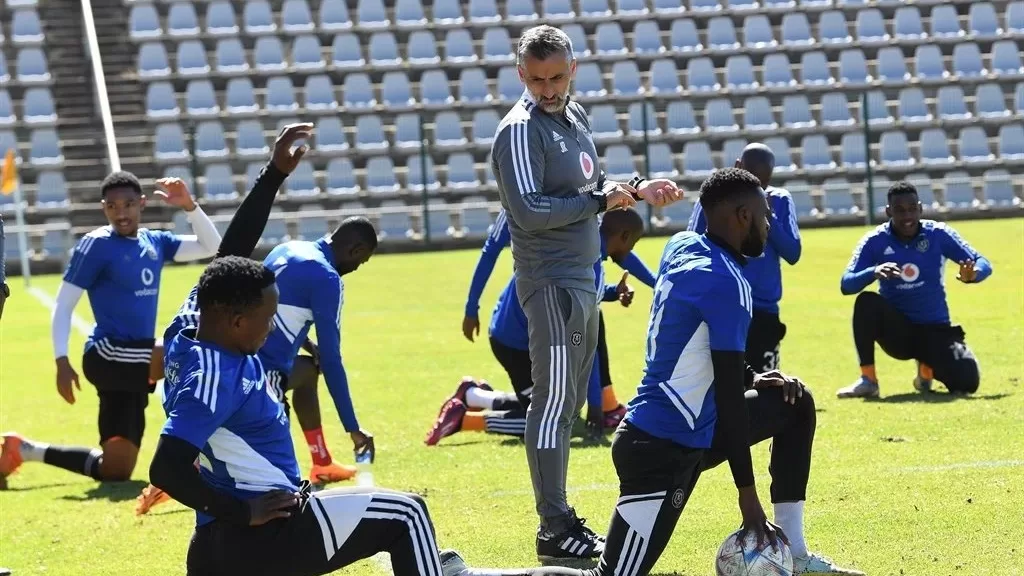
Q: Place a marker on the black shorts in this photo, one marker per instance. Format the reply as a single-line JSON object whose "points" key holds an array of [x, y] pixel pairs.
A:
{"points": [[120, 372], [517, 364], [763, 341]]}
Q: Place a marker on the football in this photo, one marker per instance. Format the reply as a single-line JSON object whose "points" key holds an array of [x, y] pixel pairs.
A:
{"points": [[743, 557]]}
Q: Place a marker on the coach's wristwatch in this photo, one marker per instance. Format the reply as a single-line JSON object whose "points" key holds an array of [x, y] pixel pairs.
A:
{"points": [[602, 200], [636, 182]]}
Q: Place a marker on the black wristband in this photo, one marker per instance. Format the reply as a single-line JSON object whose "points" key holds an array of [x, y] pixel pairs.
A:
{"points": [[636, 182], [602, 201]]}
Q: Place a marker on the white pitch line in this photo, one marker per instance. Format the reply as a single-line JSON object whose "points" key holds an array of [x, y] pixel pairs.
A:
{"points": [[963, 465], [83, 327]]}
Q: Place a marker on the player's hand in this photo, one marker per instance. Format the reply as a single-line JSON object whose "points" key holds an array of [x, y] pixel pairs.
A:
{"points": [[470, 327], [67, 380], [625, 291], [887, 271], [620, 196], [362, 443], [285, 159], [754, 519], [313, 350], [271, 506], [175, 192], [792, 388], [660, 192], [967, 272]]}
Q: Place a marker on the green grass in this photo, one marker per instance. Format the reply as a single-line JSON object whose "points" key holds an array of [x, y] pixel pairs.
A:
{"points": [[913, 485]]}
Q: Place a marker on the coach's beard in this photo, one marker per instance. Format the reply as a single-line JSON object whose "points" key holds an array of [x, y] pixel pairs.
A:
{"points": [[753, 245], [554, 105]]}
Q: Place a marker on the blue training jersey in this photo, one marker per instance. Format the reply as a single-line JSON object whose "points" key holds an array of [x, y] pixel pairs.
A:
{"points": [[764, 273], [121, 275], [311, 292], [920, 291], [701, 303], [219, 402]]}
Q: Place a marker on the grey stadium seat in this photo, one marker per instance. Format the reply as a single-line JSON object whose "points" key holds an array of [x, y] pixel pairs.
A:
{"points": [[878, 109], [358, 92], [664, 77], [609, 40], [458, 46], [434, 89], [588, 81], [421, 49], [757, 115], [700, 75], [871, 26], [757, 32], [945, 23], [777, 73], [558, 10], [853, 68], [380, 175], [1006, 61], [1011, 142], [817, 156], [697, 162], [473, 86], [722, 34], [998, 189], [718, 116], [578, 38], [604, 123], [414, 169], [462, 171], [302, 180], [448, 13], [220, 183], [814, 70], [660, 163], [191, 59], [832, 28], [783, 157], [152, 59], [448, 130], [626, 78], [892, 67], [982, 21], [739, 73], [851, 151], [647, 38], [967, 60], [618, 160], [498, 45], [144, 22], [484, 11], [268, 54], [26, 28], [169, 143], [835, 110], [210, 141], [731, 150], [52, 190], [951, 103], [638, 125]]}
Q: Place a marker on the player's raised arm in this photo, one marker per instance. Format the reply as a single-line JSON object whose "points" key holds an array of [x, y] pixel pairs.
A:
{"points": [[784, 233], [187, 248], [973, 266], [497, 240], [861, 271]]}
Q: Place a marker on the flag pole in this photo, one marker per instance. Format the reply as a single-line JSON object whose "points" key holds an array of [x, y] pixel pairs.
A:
{"points": [[19, 214]]}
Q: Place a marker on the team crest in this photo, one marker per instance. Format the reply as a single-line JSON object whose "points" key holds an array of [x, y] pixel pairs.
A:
{"points": [[677, 498], [587, 165], [576, 339], [922, 245], [910, 272]]}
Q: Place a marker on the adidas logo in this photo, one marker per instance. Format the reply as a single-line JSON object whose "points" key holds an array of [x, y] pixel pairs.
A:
{"points": [[555, 136], [889, 251]]}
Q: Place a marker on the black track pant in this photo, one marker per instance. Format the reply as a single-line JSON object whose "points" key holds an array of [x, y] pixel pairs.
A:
{"points": [[328, 531], [940, 346], [657, 476], [764, 338]]}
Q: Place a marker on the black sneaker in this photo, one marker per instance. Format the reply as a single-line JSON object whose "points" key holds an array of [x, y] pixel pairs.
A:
{"points": [[575, 544], [452, 563]]}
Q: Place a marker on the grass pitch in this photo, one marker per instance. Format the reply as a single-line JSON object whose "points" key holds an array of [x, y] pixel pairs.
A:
{"points": [[907, 485]]}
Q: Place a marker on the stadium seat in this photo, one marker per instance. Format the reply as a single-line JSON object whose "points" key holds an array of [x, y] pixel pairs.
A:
{"points": [[296, 17], [609, 40], [878, 109], [370, 133], [498, 45], [333, 16], [407, 131], [796, 30], [251, 143], [967, 61], [739, 73], [448, 130], [638, 124], [421, 49], [7, 116], [372, 14], [626, 79], [664, 77], [912, 107], [484, 12], [722, 34], [697, 162], [5, 75], [1018, 100], [894, 150], [473, 86], [757, 32], [161, 101], [476, 218], [935, 147], [320, 94], [660, 163], [679, 118], [1011, 142], [448, 13], [777, 73], [1015, 18], [1006, 61], [925, 193], [520, 11], [816, 154], [302, 181], [631, 8], [997, 189], [409, 14], [814, 70], [982, 21], [796, 112], [718, 116], [705, 5], [26, 28], [330, 136], [144, 22], [268, 55], [974, 146], [239, 97], [346, 51], [221, 19], [618, 162], [51, 190], [677, 215], [358, 92], [191, 58], [462, 171], [281, 96], [56, 241], [907, 24], [169, 143], [395, 90], [229, 57], [604, 123], [757, 115], [989, 102], [832, 28], [458, 46], [200, 100], [508, 84], [731, 151], [853, 68], [276, 229], [578, 39], [959, 191], [209, 140], [835, 110], [945, 23], [837, 197], [892, 67], [380, 175], [182, 21], [434, 89], [781, 5], [306, 54], [871, 27], [258, 18], [341, 177], [647, 38], [683, 36], [310, 224], [44, 148], [700, 75], [485, 124], [153, 61], [595, 9], [219, 183], [803, 201], [851, 151], [383, 50], [783, 157], [951, 103], [589, 82]]}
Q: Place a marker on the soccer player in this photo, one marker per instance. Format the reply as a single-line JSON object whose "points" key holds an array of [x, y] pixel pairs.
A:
{"points": [[699, 404], [545, 164], [253, 513], [764, 273], [119, 266], [909, 315], [477, 406]]}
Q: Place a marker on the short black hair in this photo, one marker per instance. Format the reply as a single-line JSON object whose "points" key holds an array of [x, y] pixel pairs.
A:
{"points": [[234, 284], [727, 184], [120, 179], [757, 157], [542, 42], [900, 188], [356, 230], [616, 221]]}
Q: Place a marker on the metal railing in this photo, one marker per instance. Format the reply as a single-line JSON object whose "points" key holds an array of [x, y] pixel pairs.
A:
{"points": [[100, 85]]}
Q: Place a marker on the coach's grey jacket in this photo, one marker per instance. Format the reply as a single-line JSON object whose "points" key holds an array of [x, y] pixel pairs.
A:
{"points": [[547, 173]]}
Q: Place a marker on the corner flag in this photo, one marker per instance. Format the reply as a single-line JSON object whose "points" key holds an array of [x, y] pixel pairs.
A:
{"points": [[9, 174]]}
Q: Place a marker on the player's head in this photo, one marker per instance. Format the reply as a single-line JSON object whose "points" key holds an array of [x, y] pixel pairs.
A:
{"points": [[904, 209], [736, 209], [759, 160], [621, 229], [353, 244], [237, 300], [547, 66], [122, 201]]}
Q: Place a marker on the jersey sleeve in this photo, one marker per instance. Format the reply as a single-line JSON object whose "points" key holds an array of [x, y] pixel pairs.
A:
{"points": [[860, 271], [326, 300], [203, 402], [87, 262], [784, 233], [497, 240], [169, 244], [726, 307], [635, 266], [958, 250]]}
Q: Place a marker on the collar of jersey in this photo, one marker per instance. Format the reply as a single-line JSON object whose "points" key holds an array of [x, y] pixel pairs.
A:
{"points": [[888, 230], [324, 244], [191, 334], [739, 258]]}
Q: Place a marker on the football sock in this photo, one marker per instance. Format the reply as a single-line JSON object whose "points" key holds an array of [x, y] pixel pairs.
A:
{"points": [[33, 451], [925, 371], [869, 372], [481, 399], [317, 447], [608, 400], [790, 517], [85, 461], [506, 401], [473, 421]]}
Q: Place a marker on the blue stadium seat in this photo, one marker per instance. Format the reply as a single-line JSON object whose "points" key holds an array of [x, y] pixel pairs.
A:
{"points": [[814, 70], [509, 86], [330, 136], [219, 183], [306, 54], [200, 99], [448, 13], [609, 40], [997, 189], [296, 17], [520, 11], [731, 151], [5, 75], [7, 116], [589, 82], [925, 193], [816, 154], [832, 28], [153, 61], [51, 190], [221, 19], [894, 150], [718, 116], [383, 50], [250, 141], [1011, 142], [26, 28], [853, 68], [370, 133], [783, 156], [421, 49], [959, 192], [462, 171], [434, 89], [851, 151], [144, 22], [631, 8], [56, 241], [473, 86], [945, 23], [835, 110], [618, 162], [1006, 61], [475, 219], [679, 118], [395, 90], [558, 10], [485, 124], [796, 30], [1018, 100], [302, 181], [781, 5], [498, 45], [458, 46], [837, 198], [380, 175], [1015, 18], [803, 201], [705, 5], [878, 109], [796, 112], [258, 18], [161, 101], [757, 32], [341, 177], [951, 103], [626, 79], [239, 97], [229, 56], [660, 163], [935, 147], [777, 73], [182, 21], [697, 162], [333, 16], [647, 38], [913, 109], [169, 143], [448, 132], [722, 34], [638, 125], [358, 92], [346, 51], [409, 14], [907, 24], [683, 36], [739, 73], [989, 102], [757, 115], [210, 141], [664, 77], [604, 123], [372, 14], [892, 66], [268, 54], [595, 9], [276, 230], [484, 12], [320, 94], [311, 225], [871, 27], [191, 59], [700, 75], [974, 146], [578, 37], [967, 61], [281, 96], [982, 21]]}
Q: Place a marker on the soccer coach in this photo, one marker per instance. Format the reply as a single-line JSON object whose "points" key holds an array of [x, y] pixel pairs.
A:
{"points": [[552, 189]]}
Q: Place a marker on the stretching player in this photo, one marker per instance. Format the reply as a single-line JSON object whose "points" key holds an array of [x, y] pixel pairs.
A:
{"points": [[119, 266], [764, 273], [909, 315], [699, 404], [477, 406]]}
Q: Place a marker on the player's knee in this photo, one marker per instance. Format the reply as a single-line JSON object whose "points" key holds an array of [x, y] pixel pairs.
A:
{"points": [[304, 373], [119, 458], [866, 301], [805, 407], [967, 379]]}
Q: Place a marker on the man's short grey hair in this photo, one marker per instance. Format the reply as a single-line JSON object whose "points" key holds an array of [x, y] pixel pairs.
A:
{"points": [[542, 42]]}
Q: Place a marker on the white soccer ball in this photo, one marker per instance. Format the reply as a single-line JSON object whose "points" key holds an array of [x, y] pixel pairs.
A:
{"points": [[743, 558]]}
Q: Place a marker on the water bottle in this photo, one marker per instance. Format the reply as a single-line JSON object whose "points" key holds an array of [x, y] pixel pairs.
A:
{"points": [[364, 475]]}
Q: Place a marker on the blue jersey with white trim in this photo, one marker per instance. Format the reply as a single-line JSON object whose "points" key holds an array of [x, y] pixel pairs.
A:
{"points": [[121, 275], [920, 290], [219, 402], [702, 303]]}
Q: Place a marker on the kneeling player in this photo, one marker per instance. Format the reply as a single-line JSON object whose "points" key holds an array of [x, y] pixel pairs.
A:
{"points": [[909, 315], [691, 412]]}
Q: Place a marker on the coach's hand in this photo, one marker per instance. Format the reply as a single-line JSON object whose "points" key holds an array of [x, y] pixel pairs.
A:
{"points": [[175, 192], [620, 196], [470, 327], [362, 442], [792, 388], [660, 192], [967, 272], [67, 380], [285, 159], [887, 271], [271, 506], [625, 291], [754, 519]]}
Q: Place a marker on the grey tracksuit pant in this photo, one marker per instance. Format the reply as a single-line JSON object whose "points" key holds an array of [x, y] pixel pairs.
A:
{"points": [[563, 327]]}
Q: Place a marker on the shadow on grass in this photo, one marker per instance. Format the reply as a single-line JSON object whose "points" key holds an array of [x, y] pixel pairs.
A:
{"points": [[38, 487], [935, 397], [113, 491]]}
